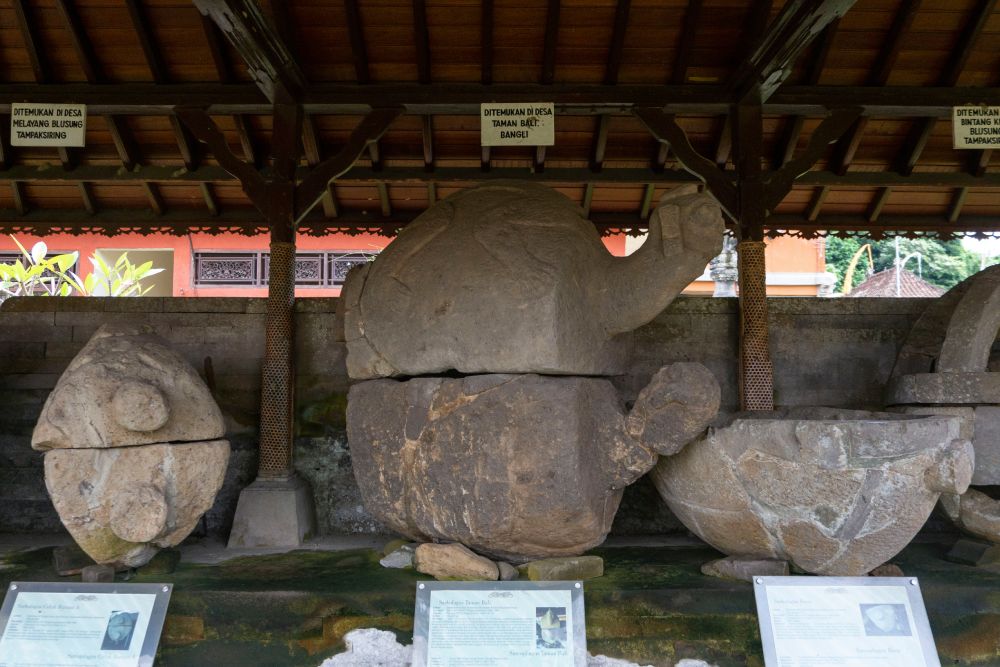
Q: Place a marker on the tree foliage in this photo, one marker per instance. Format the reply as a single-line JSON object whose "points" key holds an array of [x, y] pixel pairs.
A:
{"points": [[941, 263]]}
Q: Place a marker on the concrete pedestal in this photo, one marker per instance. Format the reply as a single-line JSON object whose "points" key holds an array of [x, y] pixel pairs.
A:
{"points": [[273, 513]]}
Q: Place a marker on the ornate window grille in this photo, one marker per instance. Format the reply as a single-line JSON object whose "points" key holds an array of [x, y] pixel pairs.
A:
{"points": [[251, 269]]}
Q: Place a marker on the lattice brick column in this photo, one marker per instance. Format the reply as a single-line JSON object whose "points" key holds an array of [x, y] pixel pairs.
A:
{"points": [[278, 382], [756, 372]]}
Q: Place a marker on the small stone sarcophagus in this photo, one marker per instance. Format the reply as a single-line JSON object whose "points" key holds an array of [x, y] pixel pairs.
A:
{"points": [[511, 287], [835, 492], [133, 448]]}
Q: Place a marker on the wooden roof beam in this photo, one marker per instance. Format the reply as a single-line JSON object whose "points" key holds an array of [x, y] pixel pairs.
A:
{"points": [[464, 99], [26, 25], [921, 131], [360, 174], [788, 34], [551, 42], [422, 41], [268, 59], [617, 47], [794, 129], [87, 196], [878, 76], [685, 44], [140, 23], [356, 33], [486, 42]]}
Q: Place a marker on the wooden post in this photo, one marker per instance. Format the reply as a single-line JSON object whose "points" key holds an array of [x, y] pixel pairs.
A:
{"points": [[756, 381], [278, 381]]}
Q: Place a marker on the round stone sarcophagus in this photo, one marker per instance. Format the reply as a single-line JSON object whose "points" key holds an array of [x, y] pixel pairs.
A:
{"points": [[133, 448], [835, 492]]}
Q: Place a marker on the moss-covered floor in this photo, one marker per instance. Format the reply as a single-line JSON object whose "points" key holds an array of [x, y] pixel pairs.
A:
{"points": [[652, 606]]}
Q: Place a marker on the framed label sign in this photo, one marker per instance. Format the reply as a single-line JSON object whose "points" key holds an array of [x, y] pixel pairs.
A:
{"points": [[48, 124], [499, 624], [844, 622], [82, 625]]}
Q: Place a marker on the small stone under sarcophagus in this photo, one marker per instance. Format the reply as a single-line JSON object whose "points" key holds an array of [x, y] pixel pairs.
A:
{"points": [[134, 454]]}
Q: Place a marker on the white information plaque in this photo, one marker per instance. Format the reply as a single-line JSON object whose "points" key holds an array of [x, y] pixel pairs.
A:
{"points": [[48, 124], [516, 124], [82, 625], [499, 624], [975, 127], [843, 622]]}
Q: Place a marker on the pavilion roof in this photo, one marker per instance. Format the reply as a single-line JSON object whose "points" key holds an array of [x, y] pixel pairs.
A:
{"points": [[883, 284], [904, 63]]}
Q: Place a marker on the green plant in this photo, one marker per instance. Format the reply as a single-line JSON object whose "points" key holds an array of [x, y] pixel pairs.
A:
{"points": [[123, 278], [53, 276], [37, 274]]}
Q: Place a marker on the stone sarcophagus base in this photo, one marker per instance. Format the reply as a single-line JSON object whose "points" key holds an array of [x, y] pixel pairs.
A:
{"points": [[515, 466], [834, 492]]}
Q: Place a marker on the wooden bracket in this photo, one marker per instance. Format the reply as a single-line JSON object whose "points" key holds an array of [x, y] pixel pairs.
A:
{"points": [[779, 182], [313, 187], [664, 127]]}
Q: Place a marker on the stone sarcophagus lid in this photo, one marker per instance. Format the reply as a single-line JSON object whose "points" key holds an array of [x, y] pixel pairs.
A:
{"points": [[511, 278], [502, 297], [133, 448], [835, 492]]}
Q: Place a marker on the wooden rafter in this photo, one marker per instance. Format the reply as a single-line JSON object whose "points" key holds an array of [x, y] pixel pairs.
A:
{"points": [[665, 128], [486, 42], [785, 38], [26, 26], [685, 45], [359, 49], [551, 42], [393, 174], [269, 62], [617, 46], [422, 41]]}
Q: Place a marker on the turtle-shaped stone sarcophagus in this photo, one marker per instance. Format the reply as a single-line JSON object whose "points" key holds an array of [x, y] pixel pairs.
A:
{"points": [[490, 321]]}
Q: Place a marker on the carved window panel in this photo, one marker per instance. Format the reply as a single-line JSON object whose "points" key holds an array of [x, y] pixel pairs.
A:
{"points": [[251, 269]]}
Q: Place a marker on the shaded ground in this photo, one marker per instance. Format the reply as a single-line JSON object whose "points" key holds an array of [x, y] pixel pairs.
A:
{"points": [[653, 606]]}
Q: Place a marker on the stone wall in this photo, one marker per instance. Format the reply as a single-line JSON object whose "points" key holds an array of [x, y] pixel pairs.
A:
{"points": [[835, 352]]}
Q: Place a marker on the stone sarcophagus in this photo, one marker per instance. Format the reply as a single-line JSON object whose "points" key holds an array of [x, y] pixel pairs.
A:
{"points": [[133, 448], [501, 297], [516, 466], [835, 492], [949, 365]]}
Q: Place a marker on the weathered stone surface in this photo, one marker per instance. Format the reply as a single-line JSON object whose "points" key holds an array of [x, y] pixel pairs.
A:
{"points": [[564, 569], [510, 278], [973, 326], [453, 561], [834, 492], [974, 512], [887, 570], [132, 457], [946, 388], [507, 571], [401, 558], [121, 504], [674, 407], [514, 466], [743, 569], [369, 647], [97, 574], [126, 388], [974, 552], [987, 444]]}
